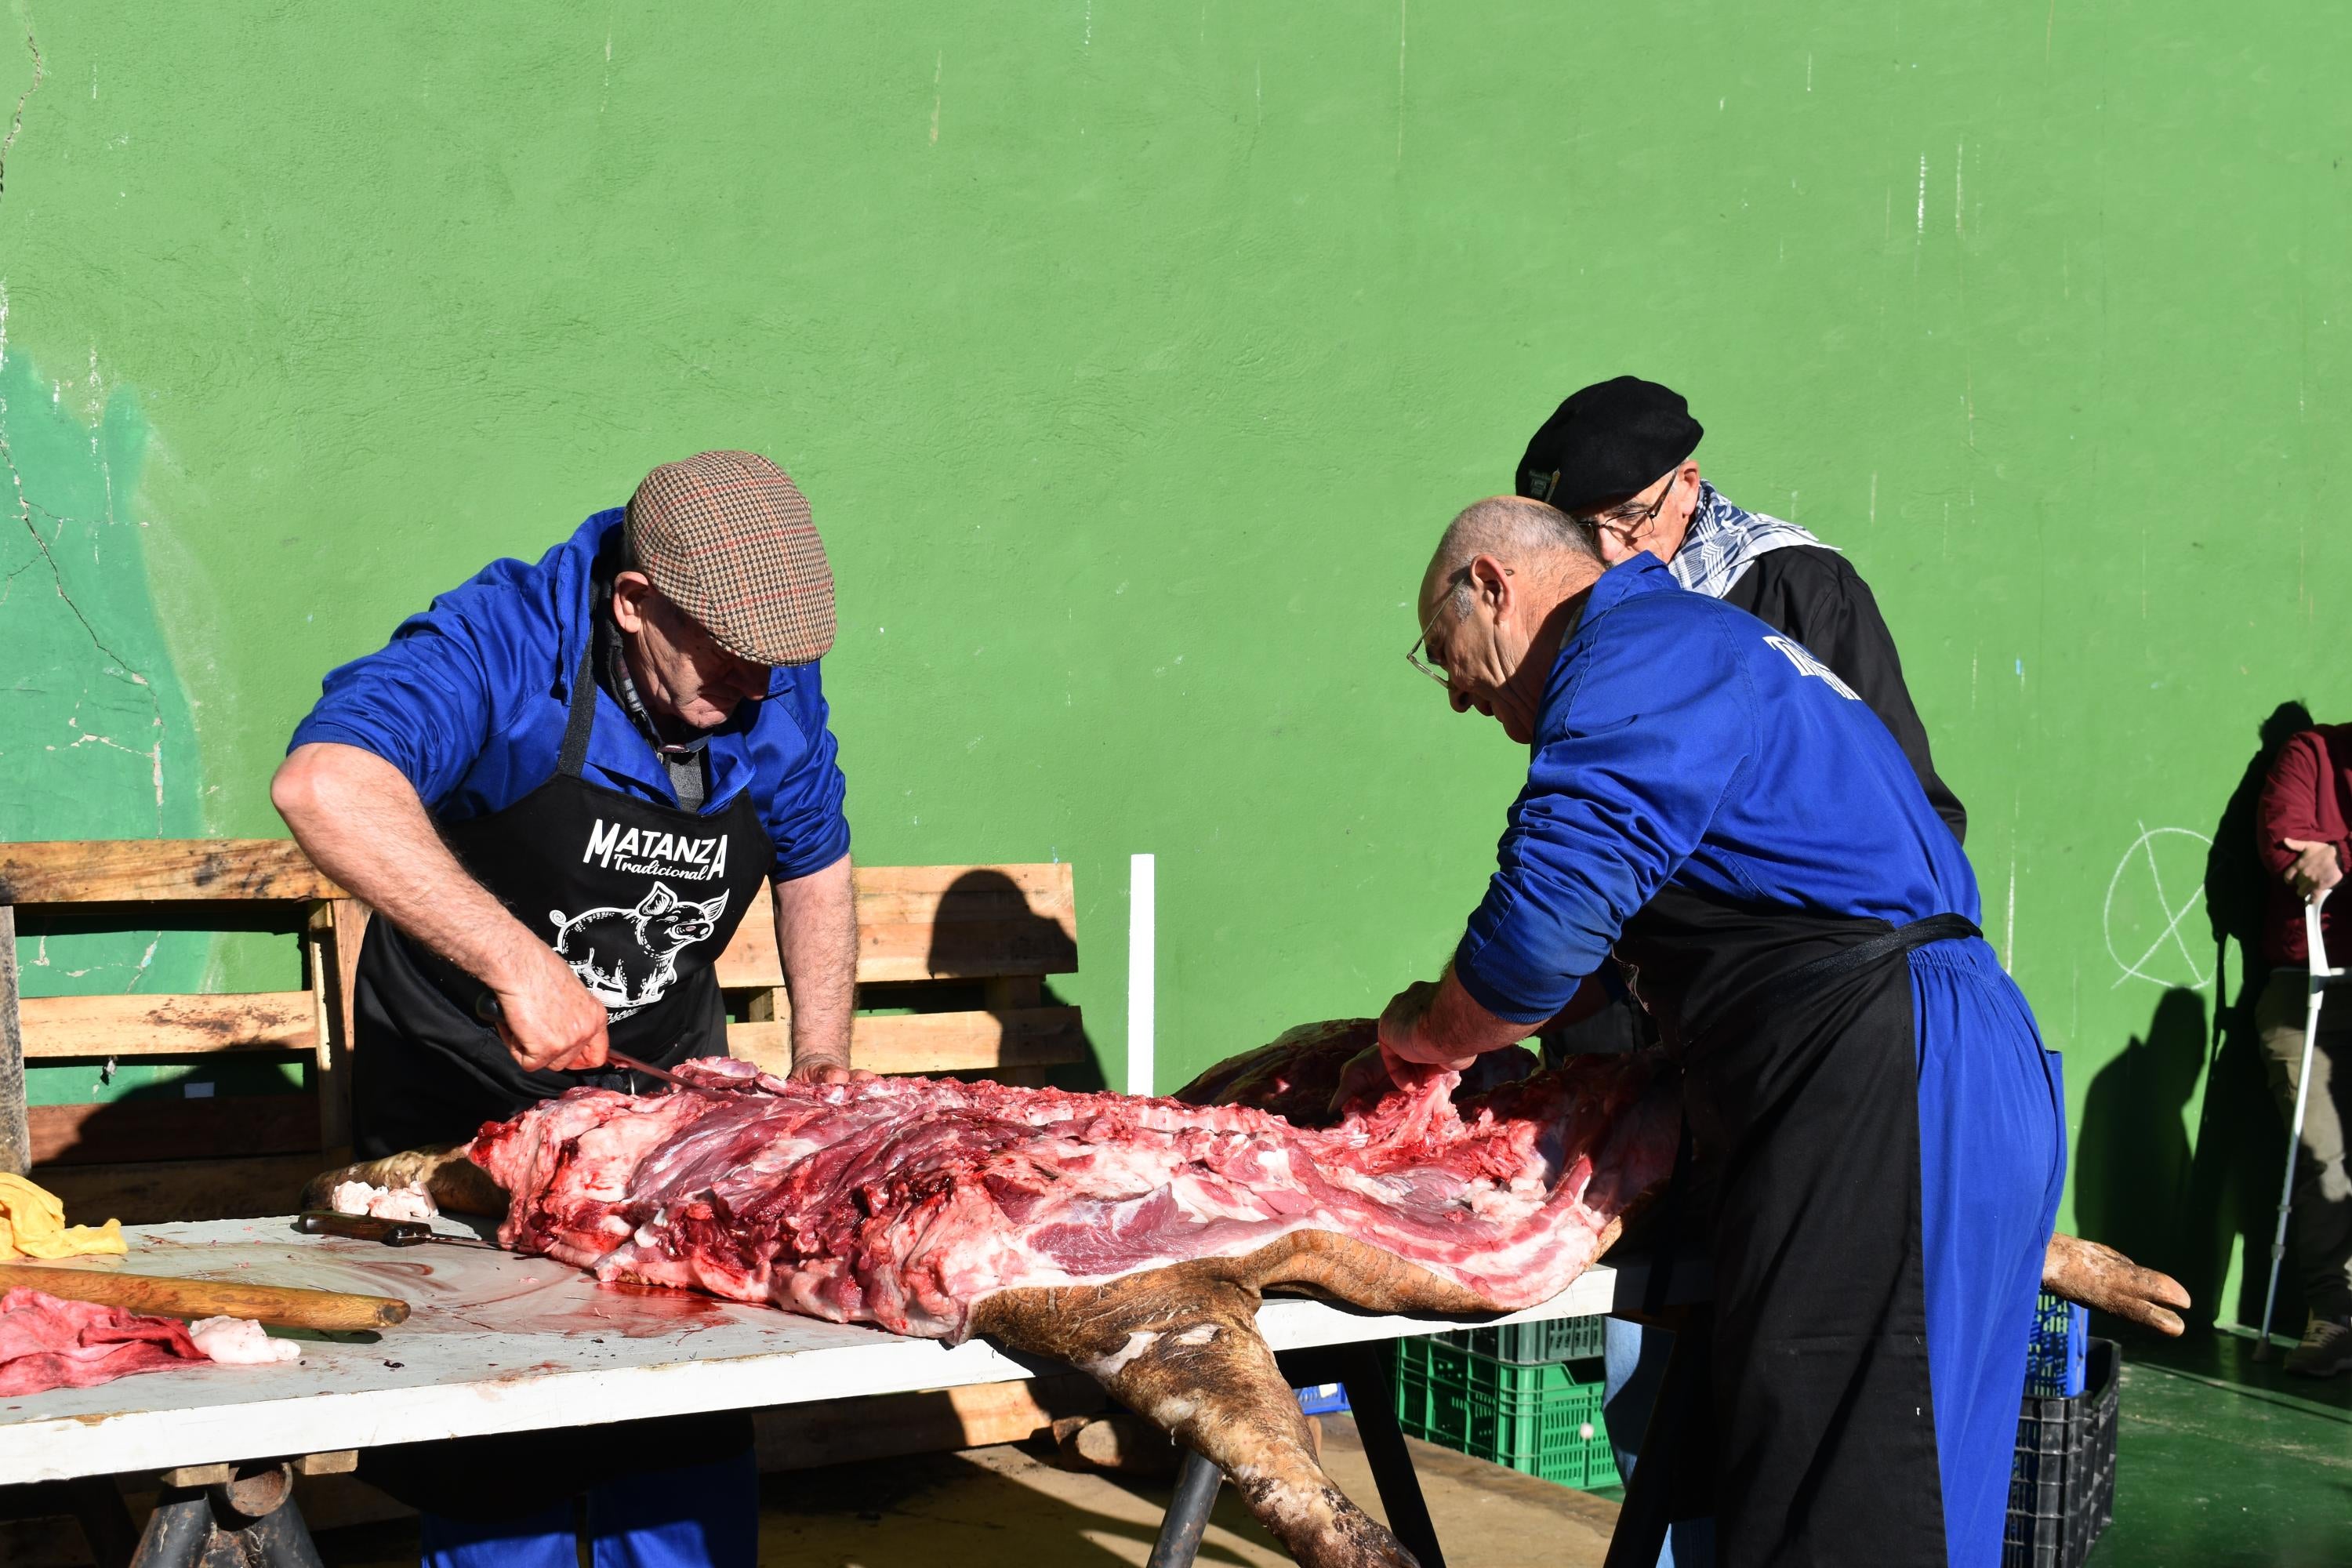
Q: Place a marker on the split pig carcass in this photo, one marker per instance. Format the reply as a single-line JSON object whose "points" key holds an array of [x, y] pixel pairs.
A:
{"points": [[1133, 1237]]}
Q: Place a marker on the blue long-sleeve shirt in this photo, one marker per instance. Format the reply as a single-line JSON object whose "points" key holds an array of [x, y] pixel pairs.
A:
{"points": [[1683, 744], [469, 702]]}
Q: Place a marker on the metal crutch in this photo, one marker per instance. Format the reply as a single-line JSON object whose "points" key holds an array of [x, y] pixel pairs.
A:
{"points": [[2321, 973]]}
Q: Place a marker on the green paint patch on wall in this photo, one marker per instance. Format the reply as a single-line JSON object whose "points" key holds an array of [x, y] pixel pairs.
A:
{"points": [[96, 739]]}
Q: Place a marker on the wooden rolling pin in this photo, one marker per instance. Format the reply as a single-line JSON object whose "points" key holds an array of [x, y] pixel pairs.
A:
{"points": [[282, 1306]]}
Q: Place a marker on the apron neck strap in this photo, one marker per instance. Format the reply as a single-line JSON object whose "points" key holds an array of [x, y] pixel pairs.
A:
{"points": [[580, 717]]}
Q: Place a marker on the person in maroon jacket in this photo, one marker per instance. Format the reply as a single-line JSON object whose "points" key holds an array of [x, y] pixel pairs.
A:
{"points": [[2304, 845]]}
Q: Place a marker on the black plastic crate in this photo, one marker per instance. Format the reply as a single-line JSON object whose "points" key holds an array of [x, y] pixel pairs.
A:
{"points": [[2062, 1487]]}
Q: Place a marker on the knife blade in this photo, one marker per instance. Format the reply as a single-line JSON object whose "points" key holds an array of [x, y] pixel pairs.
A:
{"points": [[623, 1059], [390, 1232], [486, 1009]]}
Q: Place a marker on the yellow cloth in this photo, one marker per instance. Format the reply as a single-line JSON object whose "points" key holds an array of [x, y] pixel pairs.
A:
{"points": [[33, 1224]]}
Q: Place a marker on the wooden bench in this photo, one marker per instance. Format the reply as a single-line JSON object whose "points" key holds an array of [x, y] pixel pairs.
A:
{"points": [[952, 968], [980, 939]]}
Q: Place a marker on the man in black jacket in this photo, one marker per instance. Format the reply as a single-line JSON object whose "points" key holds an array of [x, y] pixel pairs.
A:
{"points": [[1616, 456]]}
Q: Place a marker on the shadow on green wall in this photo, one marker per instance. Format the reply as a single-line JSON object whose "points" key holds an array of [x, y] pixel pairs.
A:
{"points": [[984, 911], [2134, 1165]]}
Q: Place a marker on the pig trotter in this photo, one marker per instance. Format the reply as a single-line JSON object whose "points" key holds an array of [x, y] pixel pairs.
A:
{"points": [[2105, 1280]]}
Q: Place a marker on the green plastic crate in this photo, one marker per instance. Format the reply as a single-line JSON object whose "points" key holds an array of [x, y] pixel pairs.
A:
{"points": [[1529, 1344], [1542, 1420]]}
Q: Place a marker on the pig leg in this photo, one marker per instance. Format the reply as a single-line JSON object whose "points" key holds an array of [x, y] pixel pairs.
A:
{"points": [[1180, 1346]]}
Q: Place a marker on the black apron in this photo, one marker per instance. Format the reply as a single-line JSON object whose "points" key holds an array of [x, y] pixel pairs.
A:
{"points": [[641, 898], [1799, 1048]]}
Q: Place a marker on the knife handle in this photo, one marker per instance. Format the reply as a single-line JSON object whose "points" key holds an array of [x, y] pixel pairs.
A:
{"points": [[364, 1227]]}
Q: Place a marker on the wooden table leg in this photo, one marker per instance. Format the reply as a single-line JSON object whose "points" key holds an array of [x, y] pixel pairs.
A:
{"points": [[16, 1140]]}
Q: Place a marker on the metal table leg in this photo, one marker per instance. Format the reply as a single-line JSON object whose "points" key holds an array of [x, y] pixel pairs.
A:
{"points": [[283, 1538], [1363, 1371], [177, 1532], [250, 1520], [1642, 1523], [1187, 1513], [1372, 1401]]}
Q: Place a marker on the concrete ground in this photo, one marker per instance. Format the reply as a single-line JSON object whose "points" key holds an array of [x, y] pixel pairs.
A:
{"points": [[1007, 1507], [2224, 1463], [2227, 1462]]}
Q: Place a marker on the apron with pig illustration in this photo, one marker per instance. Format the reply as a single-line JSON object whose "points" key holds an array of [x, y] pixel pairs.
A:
{"points": [[639, 897]]}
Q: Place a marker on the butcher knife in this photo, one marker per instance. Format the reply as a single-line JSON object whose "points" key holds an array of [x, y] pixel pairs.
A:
{"points": [[488, 1010], [391, 1232]]}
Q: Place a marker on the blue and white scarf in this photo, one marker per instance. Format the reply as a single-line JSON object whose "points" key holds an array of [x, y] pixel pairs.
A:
{"points": [[1723, 540]]}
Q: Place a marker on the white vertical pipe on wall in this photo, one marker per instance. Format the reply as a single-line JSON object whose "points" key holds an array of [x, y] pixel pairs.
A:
{"points": [[1140, 948]]}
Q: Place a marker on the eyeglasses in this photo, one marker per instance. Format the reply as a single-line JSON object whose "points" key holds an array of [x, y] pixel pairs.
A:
{"points": [[1413, 655], [1453, 585], [1627, 521]]}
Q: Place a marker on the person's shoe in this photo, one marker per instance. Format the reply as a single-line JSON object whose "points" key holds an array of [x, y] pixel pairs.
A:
{"points": [[2326, 1350]]}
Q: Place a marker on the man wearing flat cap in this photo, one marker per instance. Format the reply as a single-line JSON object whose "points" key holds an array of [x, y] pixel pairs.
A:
{"points": [[559, 789], [1617, 457]]}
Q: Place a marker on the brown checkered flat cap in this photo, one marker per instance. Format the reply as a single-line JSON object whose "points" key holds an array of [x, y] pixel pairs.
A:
{"points": [[726, 537]]}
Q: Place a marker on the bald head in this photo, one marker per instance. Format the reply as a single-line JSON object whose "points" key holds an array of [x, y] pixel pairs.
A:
{"points": [[1527, 535], [1496, 601]]}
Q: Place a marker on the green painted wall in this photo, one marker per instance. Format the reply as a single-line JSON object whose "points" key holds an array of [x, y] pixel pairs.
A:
{"points": [[1133, 353]]}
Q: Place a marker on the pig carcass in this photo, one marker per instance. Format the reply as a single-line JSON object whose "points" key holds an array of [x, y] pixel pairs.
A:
{"points": [[1133, 1237]]}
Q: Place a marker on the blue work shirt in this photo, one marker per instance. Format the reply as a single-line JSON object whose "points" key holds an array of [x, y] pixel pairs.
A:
{"points": [[468, 701], [1683, 742]]}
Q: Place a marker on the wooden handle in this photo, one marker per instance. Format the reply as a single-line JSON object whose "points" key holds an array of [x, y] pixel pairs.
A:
{"points": [[282, 1306]]}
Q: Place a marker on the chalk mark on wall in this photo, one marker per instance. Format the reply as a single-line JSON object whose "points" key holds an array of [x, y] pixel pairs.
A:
{"points": [[2142, 853]]}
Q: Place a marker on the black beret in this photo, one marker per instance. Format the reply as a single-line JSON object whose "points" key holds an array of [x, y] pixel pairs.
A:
{"points": [[1606, 442]]}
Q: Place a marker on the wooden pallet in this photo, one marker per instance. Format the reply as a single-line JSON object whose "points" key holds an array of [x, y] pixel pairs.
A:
{"points": [[953, 962]]}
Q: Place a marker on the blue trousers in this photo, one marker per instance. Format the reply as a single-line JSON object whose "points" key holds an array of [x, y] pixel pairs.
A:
{"points": [[1993, 1162], [704, 1516]]}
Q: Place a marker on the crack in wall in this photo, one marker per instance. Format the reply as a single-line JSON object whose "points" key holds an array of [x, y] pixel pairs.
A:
{"points": [[15, 124], [119, 666]]}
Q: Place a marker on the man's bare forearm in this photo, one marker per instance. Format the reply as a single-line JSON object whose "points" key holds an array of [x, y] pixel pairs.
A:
{"points": [[1443, 1024], [359, 820], [816, 938], [1459, 1022]]}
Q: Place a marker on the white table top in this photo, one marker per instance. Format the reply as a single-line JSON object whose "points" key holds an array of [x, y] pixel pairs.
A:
{"points": [[499, 1343]]}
